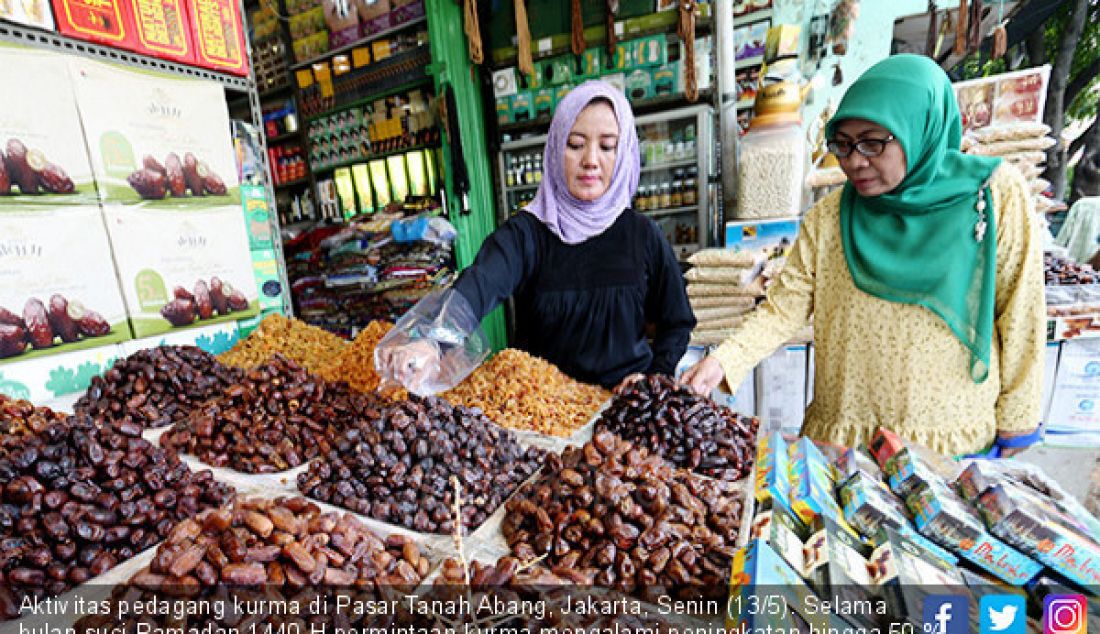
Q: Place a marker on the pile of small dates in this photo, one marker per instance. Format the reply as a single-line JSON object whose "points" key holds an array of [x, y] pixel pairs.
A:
{"points": [[628, 520], [80, 497], [157, 387], [278, 416], [1060, 271], [23, 418], [271, 558], [688, 430], [397, 466]]}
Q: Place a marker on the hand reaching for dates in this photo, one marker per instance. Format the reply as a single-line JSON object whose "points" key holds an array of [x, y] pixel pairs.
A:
{"points": [[40, 325], [31, 172], [155, 180], [202, 302]]}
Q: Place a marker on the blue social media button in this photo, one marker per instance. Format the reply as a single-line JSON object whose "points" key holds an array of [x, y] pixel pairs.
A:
{"points": [[1003, 614], [946, 614]]}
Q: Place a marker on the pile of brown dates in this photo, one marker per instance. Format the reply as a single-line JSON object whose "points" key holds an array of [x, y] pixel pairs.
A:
{"points": [[688, 430], [627, 520], [157, 386], [79, 498], [396, 467], [276, 417], [42, 326], [202, 302], [155, 180], [283, 552]]}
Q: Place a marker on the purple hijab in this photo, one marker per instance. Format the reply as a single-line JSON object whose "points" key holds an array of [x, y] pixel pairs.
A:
{"points": [[572, 220]]}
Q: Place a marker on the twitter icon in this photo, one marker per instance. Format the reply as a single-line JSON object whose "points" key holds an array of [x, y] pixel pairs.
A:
{"points": [[1003, 614]]}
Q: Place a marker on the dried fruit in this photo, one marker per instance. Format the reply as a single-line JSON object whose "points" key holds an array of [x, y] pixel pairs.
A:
{"points": [[179, 312], [60, 320], [306, 345], [54, 179], [203, 303], [19, 170], [177, 185], [182, 293], [149, 184], [217, 295], [213, 183], [151, 163], [92, 324], [5, 180], [37, 320], [234, 298], [192, 176], [12, 340], [355, 363], [9, 318]]}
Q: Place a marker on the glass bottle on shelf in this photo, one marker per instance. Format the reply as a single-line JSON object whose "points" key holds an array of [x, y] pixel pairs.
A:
{"points": [[511, 171], [690, 195], [677, 198], [665, 200], [538, 169]]}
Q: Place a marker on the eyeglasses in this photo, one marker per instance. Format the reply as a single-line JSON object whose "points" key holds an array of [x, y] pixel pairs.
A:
{"points": [[867, 147]]}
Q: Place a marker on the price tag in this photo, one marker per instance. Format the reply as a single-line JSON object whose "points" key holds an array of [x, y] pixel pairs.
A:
{"points": [[545, 45]]}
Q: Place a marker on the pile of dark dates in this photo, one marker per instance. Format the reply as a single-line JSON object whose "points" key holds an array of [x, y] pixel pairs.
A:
{"points": [[1060, 271], [80, 498], [396, 467], [31, 172], [688, 430], [625, 518], [155, 180], [276, 417], [203, 302], [284, 552], [42, 326], [23, 418], [555, 601], [157, 387]]}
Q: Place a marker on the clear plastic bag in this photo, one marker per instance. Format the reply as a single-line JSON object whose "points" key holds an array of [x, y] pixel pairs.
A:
{"points": [[433, 347]]}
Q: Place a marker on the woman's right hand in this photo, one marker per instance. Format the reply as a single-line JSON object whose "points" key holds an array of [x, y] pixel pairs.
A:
{"points": [[413, 364], [704, 376]]}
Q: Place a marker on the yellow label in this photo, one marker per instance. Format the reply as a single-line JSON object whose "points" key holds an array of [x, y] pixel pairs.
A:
{"points": [[360, 56]]}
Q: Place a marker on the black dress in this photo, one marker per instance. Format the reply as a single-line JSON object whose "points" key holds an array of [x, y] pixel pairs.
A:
{"points": [[585, 307]]}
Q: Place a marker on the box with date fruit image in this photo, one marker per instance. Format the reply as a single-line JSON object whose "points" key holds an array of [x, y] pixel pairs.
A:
{"points": [[166, 145]]}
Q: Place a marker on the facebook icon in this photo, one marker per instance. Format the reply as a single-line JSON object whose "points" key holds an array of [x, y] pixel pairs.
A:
{"points": [[946, 614]]}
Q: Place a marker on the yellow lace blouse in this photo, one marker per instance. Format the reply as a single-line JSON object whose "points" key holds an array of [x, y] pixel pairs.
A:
{"points": [[880, 363]]}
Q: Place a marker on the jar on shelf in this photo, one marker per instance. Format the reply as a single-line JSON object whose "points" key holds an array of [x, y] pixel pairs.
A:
{"points": [[665, 200], [773, 160], [677, 199]]}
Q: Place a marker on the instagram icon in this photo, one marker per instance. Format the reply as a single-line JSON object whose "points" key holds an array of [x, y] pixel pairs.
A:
{"points": [[1065, 614]]}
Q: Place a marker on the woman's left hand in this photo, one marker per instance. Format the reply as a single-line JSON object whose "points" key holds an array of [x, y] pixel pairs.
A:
{"points": [[1008, 452], [625, 383]]}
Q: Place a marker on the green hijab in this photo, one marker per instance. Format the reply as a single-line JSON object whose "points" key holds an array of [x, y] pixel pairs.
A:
{"points": [[919, 244]]}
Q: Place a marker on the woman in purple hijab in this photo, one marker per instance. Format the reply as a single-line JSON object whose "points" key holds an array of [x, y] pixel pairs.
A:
{"points": [[588, 274]]}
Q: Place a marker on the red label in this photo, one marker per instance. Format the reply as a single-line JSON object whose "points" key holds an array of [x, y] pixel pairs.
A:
{"points": [[162, 28], [219, 37], [103, 21]]}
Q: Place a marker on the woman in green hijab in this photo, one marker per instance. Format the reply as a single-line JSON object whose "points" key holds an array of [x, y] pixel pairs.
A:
{"points": [[923, 277]]}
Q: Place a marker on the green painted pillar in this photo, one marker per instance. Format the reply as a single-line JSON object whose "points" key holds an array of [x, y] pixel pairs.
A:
{"points": [[450, 64]]}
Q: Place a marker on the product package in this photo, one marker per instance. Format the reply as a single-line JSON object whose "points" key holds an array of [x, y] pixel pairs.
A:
{"points": [[942, 516], [836, 566], [58, 290], [219, 36], [162, 29], [912, 573], [108, 22], [772, 466], [165, 147]]}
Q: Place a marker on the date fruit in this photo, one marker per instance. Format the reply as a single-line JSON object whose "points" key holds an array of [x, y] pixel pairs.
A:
{"points": [[212, 183], [61, 321], [174, 173], [204, 305], [92, 324], [149, 184], [19, 170], [5, 180], [13, 340], [217, 295], [9, 318], [151, 163], [234, 298], [179, 312], [37, 319], [54, 179], [191, 175]]}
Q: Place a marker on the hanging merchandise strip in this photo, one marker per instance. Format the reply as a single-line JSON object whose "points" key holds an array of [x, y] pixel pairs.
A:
{"points": [[960, 29], [974, 29], [612, 10], [473, 31], [686, 30], [577, 42], [523, 40]]}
